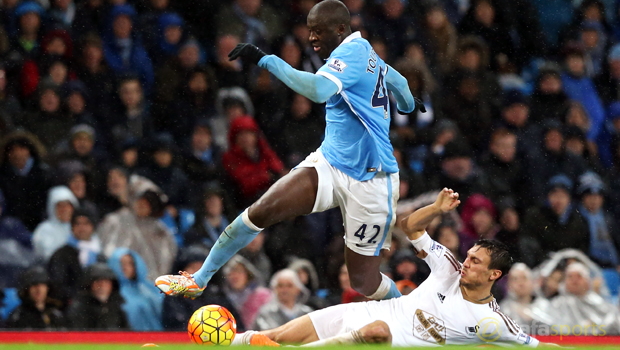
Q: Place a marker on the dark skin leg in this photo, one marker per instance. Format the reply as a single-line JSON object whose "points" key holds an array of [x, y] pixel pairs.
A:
{"points": [[294, 195], [363, 272], [291, 196]]}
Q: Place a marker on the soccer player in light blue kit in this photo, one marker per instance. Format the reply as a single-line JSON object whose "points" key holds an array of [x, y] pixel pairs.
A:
{"points": [[354, 168]]}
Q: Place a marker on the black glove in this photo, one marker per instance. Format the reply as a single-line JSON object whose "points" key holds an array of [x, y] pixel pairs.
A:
{"points": [[246, 51], [419, 106]]}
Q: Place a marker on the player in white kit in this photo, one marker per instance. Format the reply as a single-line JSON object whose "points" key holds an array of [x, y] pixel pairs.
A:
{"points": [[454, 305]]}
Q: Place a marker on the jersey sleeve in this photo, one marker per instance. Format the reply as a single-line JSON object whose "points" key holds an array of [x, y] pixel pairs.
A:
{"points": [[397, 84], [510, 332], [345, 65], [439, 258]]}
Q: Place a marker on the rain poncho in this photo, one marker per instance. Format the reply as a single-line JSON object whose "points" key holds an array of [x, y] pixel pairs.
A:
{"points": [[143, 303], [52, 234]]}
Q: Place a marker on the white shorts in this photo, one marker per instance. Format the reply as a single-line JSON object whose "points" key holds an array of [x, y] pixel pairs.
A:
{"points": [[368, 207], [343, 318]]}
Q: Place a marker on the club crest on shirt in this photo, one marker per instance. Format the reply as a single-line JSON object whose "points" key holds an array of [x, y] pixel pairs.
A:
{"points": [[336, 65], [428, 327], [524, 339], [472, 331]]}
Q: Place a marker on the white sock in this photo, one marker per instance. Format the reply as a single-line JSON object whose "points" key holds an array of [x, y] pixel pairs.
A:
{"points": [[352, 337], [382, 290], [243, 338]]}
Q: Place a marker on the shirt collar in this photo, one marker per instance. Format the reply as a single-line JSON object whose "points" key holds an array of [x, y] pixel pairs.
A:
{"points": [[351, 36]]}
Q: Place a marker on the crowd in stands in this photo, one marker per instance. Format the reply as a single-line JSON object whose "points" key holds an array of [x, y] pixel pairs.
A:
{"points": [[128, 141]]}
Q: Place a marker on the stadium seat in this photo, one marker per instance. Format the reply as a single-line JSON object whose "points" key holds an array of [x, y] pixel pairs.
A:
{"points": [[612, 278]]}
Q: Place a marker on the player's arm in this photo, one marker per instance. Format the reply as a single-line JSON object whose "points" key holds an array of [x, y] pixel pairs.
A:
{"points": [[315, 87], [397, 84], [415, 224]]}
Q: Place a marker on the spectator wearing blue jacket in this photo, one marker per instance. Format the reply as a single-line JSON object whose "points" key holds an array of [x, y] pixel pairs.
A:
{"points": [[579, 87], [123, 48], [143, 303]]}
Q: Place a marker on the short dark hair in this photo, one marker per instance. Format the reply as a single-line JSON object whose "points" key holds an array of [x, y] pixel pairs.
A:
{"points": [[500, 256], [79, 212]]}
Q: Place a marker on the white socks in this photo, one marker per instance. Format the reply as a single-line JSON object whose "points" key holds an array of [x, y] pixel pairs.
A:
{"points": [[243, 338], [352, 337], [382, 291]]}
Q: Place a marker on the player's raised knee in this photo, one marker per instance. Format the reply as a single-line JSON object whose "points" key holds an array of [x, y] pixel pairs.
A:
{"points": [[376, 332]]}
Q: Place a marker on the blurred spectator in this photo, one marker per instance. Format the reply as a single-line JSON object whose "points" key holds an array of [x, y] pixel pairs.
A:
{"points": [[137, 227], [133, 119], [603, 229], [403, 266], [227, 73], [76, 100], [170, 75], [480, 221], [10, 107], [201, 160], [515, 113], [287, 304], [96, 75], [122, 48], [579, 305], [163, 171], [151, 12], [511, 231], [439, 39], [143, 302], [548, 99], [62, 12], [90, 16], [243, 288], [580, 87], [195, 99], [49, 122], [231, 104], [210, 220], [254, 21], [25, 43], [395, 25], [24, 178], [309, 278], [556, 224], [116, 193], [348, 294], [458, 170], [483, 19], [37, 310], [519, 302], [81, 147], [67, 265], [170, 33], [12, 228], [255, 253], [54, 232], [302, 130], [99, 306], [608, 82], [250, 163], [472, 110], [446, 235], [506, 172], [73, 175], [576, 144], [179, 310], [16, 251], [553, 158]]}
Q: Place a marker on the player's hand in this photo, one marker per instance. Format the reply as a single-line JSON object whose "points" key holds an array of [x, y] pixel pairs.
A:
{"points": [[246, 51], [447, 200], [419, 105]]}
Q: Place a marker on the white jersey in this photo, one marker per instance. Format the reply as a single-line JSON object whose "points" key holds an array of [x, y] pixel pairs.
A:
{"points": [[433, 314]]}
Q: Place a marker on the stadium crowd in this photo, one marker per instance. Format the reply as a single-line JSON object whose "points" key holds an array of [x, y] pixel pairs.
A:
{"points": [[128, 142]]}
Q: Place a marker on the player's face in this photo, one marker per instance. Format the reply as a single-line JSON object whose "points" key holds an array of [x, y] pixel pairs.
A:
{"points": [[475, 271], [323, 38]]}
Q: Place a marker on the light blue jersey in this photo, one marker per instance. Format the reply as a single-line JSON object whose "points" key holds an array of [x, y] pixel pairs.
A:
{"points": [[358, 117], [354, 82]]}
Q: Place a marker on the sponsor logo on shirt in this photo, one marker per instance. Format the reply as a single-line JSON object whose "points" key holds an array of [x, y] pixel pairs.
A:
{"points": [[336, 65], [489, 329]]}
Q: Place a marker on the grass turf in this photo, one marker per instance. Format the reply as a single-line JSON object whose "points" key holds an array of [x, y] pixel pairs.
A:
{"points": [[194, 347]]}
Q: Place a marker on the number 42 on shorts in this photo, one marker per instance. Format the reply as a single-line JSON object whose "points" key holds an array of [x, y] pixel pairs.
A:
{"points": [[361, 233]]}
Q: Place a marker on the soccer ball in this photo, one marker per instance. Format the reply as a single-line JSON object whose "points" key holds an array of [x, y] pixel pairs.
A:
{"points": [[212, 325]]}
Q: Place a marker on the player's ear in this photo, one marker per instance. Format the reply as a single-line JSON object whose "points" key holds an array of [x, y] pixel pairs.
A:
{"points": [[495, 275]]}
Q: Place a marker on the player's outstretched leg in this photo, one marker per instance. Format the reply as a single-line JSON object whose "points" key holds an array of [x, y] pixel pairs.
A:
{"points": [[376, 332], [291, 196], [374, 285]]}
